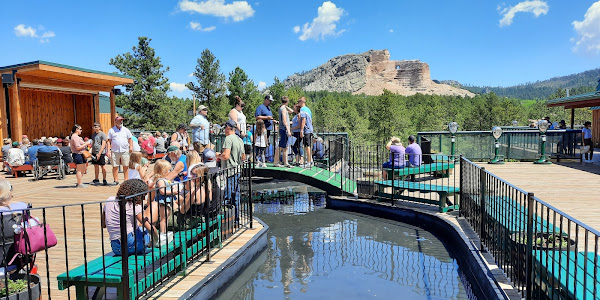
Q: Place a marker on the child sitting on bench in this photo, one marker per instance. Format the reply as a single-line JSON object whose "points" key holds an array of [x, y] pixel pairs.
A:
{"points": [[138, 226]]}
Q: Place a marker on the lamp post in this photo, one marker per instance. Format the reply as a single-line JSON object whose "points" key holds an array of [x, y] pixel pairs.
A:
{"points": [[453, 128], [496, 133], [543, 126], [515, 123]]}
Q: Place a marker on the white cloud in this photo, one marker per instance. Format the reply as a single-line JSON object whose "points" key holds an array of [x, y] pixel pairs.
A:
{"points": [[196, 26], [191, 75], [28, 31], [178, 87], [237, 10], [296, 29], [262, 85], [324, 24], [537, 7], [588, 31], [391, 30]]}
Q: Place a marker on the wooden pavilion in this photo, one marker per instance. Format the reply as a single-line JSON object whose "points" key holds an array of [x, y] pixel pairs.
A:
{"points": [[587, 100], [42, 98]]}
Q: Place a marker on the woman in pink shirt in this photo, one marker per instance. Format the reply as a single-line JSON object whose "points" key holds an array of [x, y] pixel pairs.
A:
{"points": [[77, 146]]}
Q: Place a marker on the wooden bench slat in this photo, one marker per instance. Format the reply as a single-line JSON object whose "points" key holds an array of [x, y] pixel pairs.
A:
{"points": [[422, 169]]}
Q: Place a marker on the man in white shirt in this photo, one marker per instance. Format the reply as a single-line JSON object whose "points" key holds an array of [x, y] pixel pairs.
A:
{"points": [[120, 145], [201, 129]]}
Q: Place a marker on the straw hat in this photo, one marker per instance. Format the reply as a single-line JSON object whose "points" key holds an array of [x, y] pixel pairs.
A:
{"points": [[396, 141]]}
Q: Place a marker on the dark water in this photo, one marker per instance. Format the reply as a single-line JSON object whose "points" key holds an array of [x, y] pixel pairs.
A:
{"points": [[318, 253]]}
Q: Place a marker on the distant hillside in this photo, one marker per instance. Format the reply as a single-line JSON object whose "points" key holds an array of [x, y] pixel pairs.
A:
{"points": [[542, 89]]}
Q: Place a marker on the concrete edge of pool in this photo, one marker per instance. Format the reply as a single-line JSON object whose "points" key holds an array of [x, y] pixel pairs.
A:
{"points": [[219, 278], [476, 265]]}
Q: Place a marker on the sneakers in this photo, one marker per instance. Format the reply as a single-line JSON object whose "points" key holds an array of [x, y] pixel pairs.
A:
{"points": [[115, 183], [83, 185], [104, 182], [163, 239], [288, 166], [95, 182]]}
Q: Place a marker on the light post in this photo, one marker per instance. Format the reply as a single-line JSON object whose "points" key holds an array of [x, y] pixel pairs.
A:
{"points": [[543, 126], [496, 133], [515, 123], [453, 128]]}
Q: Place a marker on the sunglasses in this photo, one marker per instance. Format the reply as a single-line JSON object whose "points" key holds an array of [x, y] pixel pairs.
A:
{"points": [[243, 105]]}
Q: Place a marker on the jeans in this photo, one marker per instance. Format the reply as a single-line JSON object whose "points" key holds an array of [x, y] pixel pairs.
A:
{"points": [[232, 193], [142, 238]]}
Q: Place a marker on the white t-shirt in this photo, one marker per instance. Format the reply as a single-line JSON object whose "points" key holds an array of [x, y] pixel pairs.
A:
{"points": [[261, 141], [134, 173], [119, 139], [241, 120]]}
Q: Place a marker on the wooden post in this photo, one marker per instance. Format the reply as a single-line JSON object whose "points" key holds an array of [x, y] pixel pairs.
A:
{"points": [[194, 98], [113, 108], [15, 112], [96, 103], [3, 117], [572, 118]]}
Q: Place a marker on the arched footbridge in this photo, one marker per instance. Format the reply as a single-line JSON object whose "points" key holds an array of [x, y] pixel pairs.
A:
{"points": [[331, 182]]}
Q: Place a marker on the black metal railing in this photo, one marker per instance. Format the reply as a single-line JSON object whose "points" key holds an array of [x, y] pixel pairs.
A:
{"points": [[545, 252], [180, 223], [521, 145]]}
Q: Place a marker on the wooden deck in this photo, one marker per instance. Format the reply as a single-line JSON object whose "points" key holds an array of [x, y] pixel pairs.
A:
{"points": [[572, 187], [93, 242]]}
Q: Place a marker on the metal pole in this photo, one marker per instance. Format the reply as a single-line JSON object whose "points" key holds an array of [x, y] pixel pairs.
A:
{"points": [[124, 255], [482, 185], [461, 186], [529, 255], [207, 213], [250, 202]]}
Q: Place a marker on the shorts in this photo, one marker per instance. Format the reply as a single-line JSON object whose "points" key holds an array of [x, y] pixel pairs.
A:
{"points": [[135, 245], [283, 139], [307, 139], [389, 165], [78, 158], [120, 158], [100, 161]]}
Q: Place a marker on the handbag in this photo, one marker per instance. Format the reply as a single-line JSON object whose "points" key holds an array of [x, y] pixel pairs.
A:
{"points": [[86, 154], [35, 237]]}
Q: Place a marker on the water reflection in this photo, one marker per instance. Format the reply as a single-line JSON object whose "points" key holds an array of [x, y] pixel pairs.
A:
{"points": [[320, 253]]}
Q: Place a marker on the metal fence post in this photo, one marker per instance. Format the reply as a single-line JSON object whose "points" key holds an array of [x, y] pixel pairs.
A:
{"points": [[461, 186], [250, 201], [529, 254], [208, 182], [482, 217], [124, 255]]}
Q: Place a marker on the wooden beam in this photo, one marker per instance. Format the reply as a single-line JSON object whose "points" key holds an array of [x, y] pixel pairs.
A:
{"points": [[572, 118], [3, 117], [113, 108], [15, 112], [63, 84], [96, 103], [119, 80]]}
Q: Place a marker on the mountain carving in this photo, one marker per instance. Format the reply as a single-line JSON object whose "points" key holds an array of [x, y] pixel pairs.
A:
{"points": [[370, 73]]}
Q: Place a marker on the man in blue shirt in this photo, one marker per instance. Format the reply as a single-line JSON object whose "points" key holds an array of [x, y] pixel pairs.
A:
{"points": [[303, 107], [263, 112], [32, 152], [306, 131], [201, 129]]}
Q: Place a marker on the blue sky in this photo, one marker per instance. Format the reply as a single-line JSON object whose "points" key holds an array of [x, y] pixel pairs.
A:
{"points": [[472, 41]]}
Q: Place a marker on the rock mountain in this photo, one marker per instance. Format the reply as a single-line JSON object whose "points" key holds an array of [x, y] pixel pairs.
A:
{"points": [[370, 73]]}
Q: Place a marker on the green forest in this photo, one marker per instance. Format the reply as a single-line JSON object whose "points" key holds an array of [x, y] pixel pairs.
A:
{"points": [[365, 118]]}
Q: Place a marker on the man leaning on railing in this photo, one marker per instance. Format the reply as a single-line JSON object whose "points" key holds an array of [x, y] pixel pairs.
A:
{"points": [[231, 158]]}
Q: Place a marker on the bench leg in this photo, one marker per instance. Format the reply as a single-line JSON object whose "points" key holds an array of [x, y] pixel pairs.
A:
{"points": [[81, 291], [99, 293], [444, 200]]}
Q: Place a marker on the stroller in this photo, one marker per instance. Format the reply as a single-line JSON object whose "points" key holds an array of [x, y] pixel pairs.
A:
{"points": [[49, 163]]}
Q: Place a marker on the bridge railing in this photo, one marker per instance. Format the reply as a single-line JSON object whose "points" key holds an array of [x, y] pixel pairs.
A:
{"points": [[201, 212], [545, 252], [521, 145]]}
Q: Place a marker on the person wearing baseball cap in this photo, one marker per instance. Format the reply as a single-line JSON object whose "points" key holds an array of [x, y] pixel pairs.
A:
{"points": [[263, 112], [231, 157], [201, 129], [180, 170], [119, 146]]}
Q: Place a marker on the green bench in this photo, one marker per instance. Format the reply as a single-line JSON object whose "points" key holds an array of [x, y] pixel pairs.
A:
{"points": [[144, 270], [570, 274], [422, 169], [398, 187]]}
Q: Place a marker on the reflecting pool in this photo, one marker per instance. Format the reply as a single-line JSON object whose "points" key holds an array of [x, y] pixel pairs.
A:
{"points": [[318, 253]]}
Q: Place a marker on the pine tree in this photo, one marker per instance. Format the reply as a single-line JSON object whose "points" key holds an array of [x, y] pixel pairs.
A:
{"points": [[211, 86], [146, 103]]}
